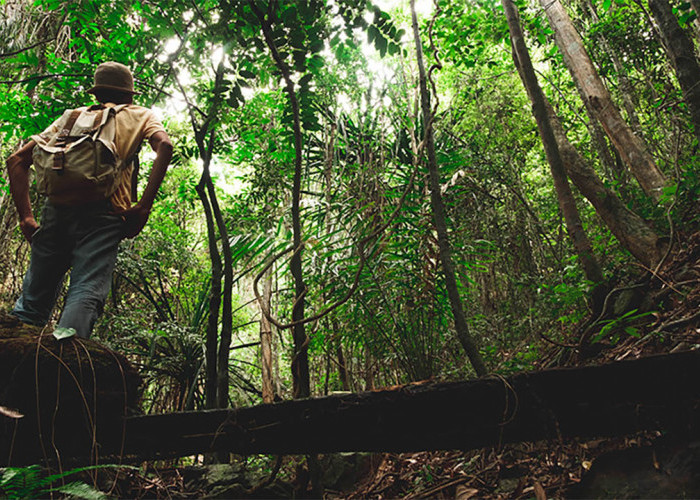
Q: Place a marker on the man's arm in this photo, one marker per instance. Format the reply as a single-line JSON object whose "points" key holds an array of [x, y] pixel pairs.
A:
{"points": [[137, 216], [18, 172]]}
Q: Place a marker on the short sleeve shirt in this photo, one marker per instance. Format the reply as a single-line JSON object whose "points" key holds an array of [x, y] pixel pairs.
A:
{"points": [[135, 124]]}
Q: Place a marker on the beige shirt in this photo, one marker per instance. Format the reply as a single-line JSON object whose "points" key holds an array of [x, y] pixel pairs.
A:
{"points": [[135, 124]]}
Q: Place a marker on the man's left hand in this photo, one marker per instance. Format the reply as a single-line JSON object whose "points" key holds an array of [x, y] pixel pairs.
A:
{"points": [[135, 219]]}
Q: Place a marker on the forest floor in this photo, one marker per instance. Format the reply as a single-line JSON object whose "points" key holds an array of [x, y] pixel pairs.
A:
{"points": [[641, 465], [555, 469]]}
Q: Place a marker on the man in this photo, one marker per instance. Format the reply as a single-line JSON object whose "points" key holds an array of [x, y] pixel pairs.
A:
{"points": [[85, 236]]}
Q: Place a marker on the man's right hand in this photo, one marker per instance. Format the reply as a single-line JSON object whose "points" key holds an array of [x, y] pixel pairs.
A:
{"points": [[28, 226], [18, 173]]}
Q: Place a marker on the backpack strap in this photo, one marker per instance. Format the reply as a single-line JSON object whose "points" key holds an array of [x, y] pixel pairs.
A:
{"points": [[134, 158], [59, 157], [68, 126], [120, 107], [135, 174]]}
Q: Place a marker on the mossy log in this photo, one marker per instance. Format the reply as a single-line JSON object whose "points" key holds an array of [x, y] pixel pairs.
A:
{"points": [[72, 396], [654, 393]]}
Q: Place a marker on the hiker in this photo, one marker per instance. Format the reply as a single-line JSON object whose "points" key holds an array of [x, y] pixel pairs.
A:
{"points": [[85, 215]]}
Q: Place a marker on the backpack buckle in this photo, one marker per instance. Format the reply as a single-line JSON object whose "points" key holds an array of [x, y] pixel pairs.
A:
{"points": [[58, 162]]}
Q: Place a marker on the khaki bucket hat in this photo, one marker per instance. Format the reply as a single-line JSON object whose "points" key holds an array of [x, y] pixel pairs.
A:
{"points": [[114, 76]]}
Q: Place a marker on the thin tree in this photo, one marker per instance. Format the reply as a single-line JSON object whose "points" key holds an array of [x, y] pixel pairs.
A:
{"points": [[268, 393], [300, 363], [220, 299], [567, 204], [438, 208], [682, 54], [633, 233], [632, 149]]}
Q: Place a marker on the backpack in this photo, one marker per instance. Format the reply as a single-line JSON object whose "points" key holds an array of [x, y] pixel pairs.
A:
{"points": [[79, 162]]}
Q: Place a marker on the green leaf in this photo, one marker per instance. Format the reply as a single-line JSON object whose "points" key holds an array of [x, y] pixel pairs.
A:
{"points": [[296, 39], [304, 82], [63, 333], [289, 16], [31, 84], [372, 33], [80, 490], [632, 332], [316, 62], [381, 45], [316, 45]]}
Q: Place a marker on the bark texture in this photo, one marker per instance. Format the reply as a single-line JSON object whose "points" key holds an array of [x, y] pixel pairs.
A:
{"points": [[653, 393], [73, 395], [268, 394], [633, 233], [682, 54], [631, 148]]}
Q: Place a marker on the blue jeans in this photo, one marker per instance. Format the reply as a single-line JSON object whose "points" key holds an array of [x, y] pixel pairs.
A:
{"points": [[83, 238]]}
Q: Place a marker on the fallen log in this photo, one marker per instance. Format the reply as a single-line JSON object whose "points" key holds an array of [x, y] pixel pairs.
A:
{"points": [[654, 393], [60, 398]]}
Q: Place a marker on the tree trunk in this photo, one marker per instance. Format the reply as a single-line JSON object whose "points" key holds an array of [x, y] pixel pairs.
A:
{"points": [[629, 101], [567, 204], [212, 336], [631, 148], [616, 399], [625, 85], [696, 23], [342, 368], [226, 312], [682, 54], [438, 208], [60, 398], [633, 233], [268, 394], [335, 339]]}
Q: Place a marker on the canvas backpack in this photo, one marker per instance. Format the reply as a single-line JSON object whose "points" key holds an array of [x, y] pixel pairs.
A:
{"points": [[79, 161]]}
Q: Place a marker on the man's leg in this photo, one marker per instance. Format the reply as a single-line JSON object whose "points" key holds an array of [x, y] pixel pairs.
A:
{"points": [[94, 256], [48, 264]]}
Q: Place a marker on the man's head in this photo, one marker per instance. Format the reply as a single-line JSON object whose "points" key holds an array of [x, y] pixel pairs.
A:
{"points": [[113, 83]]}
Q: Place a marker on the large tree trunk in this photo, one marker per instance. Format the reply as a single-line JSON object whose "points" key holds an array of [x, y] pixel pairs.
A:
{"points": [[60, 399], [682, 54], [625, 85], [617, 399], [633, 233], [582, 245], [631, 148], [438, 208], [630, 229]]}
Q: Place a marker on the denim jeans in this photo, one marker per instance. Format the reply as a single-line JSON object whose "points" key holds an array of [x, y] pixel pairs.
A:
{"points": [[84, 239]]}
